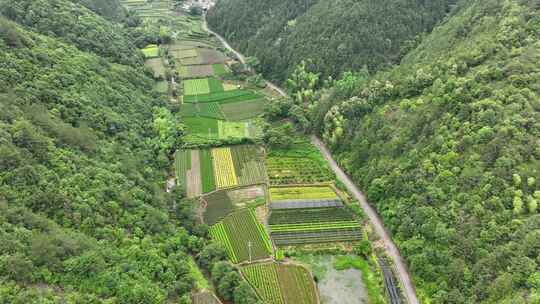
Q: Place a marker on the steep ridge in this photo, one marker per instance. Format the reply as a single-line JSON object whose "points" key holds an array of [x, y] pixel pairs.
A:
{"points": [[83, 217], [446, 147], [336, 36]]}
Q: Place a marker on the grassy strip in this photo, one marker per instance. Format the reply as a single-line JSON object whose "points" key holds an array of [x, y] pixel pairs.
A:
{"points": [[200, 280], [207, 171]]}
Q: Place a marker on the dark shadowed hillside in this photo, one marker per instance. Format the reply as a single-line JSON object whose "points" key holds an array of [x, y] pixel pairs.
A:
{"points": [[336, 35]]}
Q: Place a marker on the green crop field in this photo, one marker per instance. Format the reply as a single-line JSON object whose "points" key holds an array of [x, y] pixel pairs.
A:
{"points": [[210, 110], [182, 163], [317, 225], [219, 69], [243, 109], [151, 51], [296, 170], [196, 86], [229, 129], [224, 97], [218, 206], [281, 284], [315, 215], [215, 85], [302, 193], [249, 164], [302, 163], [207, 171], [203, 127], [241, 233]]}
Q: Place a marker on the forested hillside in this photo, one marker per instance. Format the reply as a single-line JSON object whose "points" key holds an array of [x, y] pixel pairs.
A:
{"points": [[337, 35], [447, 147], [74, 24], [83, 147]]}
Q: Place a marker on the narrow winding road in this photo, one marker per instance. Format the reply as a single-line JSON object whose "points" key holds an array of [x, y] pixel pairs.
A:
{"points": [[375, 220], [240, 57]]}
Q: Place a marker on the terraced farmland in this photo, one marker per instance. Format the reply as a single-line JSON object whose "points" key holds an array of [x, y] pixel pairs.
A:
{"points": [[196, 86], [241, 234], [196, 71], [231, 129], [219, 69], [183, 53], [281, 283], [248, 162], [210, 110], [202, 126], [302, 193], [224, 97], [224, 168], [219, 205], [207, 171], [296, 170], [243, 109], [182, 163], [318, 225]]}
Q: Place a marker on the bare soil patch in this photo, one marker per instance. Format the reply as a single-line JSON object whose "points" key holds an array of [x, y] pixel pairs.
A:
{"points": [[194, 185]]}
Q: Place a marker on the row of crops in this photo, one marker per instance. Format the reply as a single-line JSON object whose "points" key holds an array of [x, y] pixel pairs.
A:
{"points": [[302, 193], [202, 86], [319, 225], [241, 110], [220, 168], [244, 238], [281, 283], [296, 170]]}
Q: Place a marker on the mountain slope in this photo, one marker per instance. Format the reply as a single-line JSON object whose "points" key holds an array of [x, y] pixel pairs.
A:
{"points": [[76, 25], [83, 215], [336, 35], [446, 146]]}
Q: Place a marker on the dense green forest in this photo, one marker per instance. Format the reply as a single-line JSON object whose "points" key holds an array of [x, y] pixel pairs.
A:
{"points": [[447, 147], [84, 149], [337, 35], [76, 25]]}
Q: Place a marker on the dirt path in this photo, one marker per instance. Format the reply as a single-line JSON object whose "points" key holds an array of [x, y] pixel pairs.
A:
{"points": [[194, 184], [374, 218], [240, 57]]}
